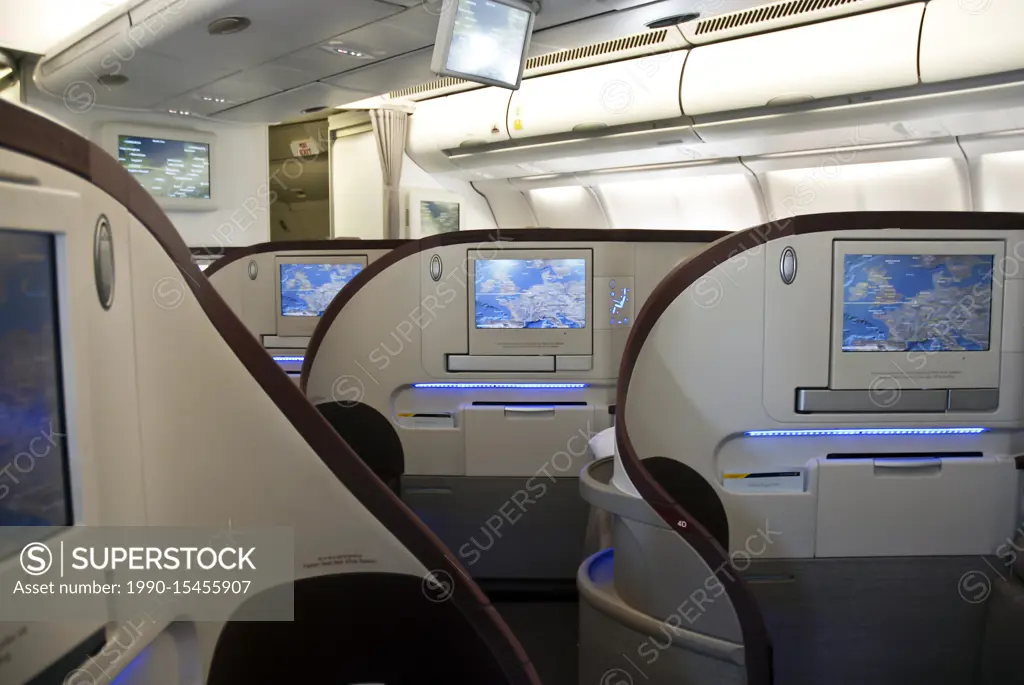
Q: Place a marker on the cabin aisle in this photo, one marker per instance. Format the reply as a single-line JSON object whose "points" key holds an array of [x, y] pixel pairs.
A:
{"points": [[549, 633]]}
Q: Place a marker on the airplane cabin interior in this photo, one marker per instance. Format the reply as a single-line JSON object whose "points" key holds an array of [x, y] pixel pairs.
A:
{"points": [[519, 342]]}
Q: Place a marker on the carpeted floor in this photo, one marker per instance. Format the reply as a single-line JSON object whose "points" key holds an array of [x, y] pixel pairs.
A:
{"points": [[549, 632]]}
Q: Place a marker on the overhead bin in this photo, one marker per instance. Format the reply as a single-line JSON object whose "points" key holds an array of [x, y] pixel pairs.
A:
{"points": [[774, 16], [867, 52], [464, 120], [626, 92], [963, 39]]}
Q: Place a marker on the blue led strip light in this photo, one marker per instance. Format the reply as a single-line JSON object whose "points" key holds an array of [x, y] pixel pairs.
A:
{"points": [[863, 431], [280, 360], [504, 386]]}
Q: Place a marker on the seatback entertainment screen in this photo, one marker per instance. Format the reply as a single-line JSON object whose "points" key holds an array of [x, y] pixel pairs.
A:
{"points": [[32, 425], [917, 302], [530, 293], [307, 289], [167, 168]]}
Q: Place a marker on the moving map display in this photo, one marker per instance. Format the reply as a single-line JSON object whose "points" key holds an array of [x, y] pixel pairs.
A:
{"points": [[531, 293], [32, 446], [488, 40], [911, 302], [438, 217], [167, 168], [307, 289]]}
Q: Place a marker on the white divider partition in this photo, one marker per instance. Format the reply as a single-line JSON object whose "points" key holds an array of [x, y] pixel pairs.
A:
{"points": [[461, 415], [176, 417]]}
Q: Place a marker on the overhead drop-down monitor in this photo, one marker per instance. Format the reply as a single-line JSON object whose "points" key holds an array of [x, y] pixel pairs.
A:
{"points": [[484, 41]]}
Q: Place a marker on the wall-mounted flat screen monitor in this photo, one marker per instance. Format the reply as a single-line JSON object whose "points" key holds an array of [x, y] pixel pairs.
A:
{"points": [[176, 166], [306, 285], [439, 216], [925, 314], [430, 212], [166, 167], [484, 41], [531, 302], [32, 425]]}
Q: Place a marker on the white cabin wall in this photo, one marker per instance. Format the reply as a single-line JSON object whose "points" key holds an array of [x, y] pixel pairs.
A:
{"points": [[509, 205], [918, 184], [727, 202], [567, 207], [357, 188], [242, 217], [308, 220], [999, 182], [477, 212]]}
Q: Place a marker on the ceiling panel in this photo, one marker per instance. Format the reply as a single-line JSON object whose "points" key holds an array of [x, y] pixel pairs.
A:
{"points": [[414, 69], [410, 30], [288, 105], [396, 73], [238, 89], [151, 78], [278, 28], [626, 22], [192, 104], [37, 25]]}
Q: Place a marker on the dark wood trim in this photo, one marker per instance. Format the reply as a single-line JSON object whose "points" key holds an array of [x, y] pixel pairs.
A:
{"points": [[213, 251], [233, 254], [480, 237], [757, 642], [33, 135]]}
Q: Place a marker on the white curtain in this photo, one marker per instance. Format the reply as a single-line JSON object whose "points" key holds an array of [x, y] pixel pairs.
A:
{"points": [[390, 127]]}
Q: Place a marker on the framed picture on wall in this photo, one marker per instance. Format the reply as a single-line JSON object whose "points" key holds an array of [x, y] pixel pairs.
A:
{"points": [[429, 212]]}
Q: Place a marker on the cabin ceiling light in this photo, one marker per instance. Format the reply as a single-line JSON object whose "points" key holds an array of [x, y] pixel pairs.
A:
{"points": [[313, 110], [207, 98], [179, 112], [228, 25], [338, 48]]}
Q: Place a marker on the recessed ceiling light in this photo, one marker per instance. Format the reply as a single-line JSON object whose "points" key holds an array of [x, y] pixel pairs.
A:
{"points": [[207, 98], [179, 112], [112, 79], [228, 25], [339, 49]]}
